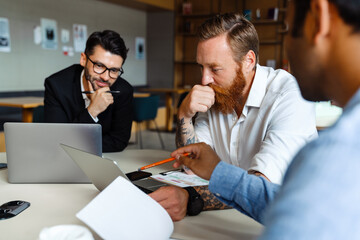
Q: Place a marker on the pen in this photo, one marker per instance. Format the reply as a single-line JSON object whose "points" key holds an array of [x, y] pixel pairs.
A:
{"points": [[160, 162], [90, 92]]}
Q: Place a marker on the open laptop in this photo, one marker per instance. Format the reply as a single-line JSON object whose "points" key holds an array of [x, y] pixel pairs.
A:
{"points": [[102, 171], [34, 154]]}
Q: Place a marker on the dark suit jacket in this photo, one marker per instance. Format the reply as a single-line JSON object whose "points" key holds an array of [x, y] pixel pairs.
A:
{"points": [[64, 104]]}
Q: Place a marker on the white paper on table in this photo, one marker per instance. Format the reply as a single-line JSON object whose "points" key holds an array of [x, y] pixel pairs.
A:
{"points": [[122, 211], [181, 179]]}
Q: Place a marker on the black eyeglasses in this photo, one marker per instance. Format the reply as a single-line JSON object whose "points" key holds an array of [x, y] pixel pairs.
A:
{"points": [[100, 68]]}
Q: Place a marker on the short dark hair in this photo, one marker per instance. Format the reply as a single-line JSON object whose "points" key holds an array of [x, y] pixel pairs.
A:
{"points": [[109, 40], [241, 33], [349, 11]]}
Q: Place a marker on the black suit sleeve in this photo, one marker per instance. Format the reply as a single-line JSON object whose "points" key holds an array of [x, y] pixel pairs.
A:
{"points": [[116, 135], [61, 107]]}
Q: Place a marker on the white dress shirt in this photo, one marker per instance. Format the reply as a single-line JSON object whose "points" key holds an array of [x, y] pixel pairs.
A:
{"points": [[275, 123]]}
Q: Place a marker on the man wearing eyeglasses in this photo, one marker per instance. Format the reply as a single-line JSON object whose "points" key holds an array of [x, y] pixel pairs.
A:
{"points": [[93, 91]]}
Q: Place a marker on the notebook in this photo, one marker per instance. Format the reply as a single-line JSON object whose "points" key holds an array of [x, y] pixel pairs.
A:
{"points": [[103, 171], [34, 154]]}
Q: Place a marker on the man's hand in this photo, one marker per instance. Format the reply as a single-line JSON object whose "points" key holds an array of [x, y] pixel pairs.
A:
{"points": [[173, 199], [200, 99], [202, 160], [100, 100]]}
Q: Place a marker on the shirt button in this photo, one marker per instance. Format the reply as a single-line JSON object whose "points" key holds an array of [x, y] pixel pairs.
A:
{"points": [[218, 194]]}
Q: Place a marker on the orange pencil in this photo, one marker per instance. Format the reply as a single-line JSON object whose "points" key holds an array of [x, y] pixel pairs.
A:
{"points": [[160, 162]]}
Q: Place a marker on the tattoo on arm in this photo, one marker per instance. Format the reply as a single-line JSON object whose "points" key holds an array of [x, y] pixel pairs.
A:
{"points": [[184, 135], [211, 202], [179, 132]]}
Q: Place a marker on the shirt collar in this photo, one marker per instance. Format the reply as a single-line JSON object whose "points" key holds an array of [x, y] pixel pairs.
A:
{"points": [[258, 88]]}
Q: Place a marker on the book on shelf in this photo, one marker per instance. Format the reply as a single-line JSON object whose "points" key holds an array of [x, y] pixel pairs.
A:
{"points": [[187, 8], [273, 14]]}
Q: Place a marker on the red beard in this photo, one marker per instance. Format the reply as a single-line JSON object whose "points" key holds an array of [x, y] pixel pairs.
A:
{"points": [[226, 99]]}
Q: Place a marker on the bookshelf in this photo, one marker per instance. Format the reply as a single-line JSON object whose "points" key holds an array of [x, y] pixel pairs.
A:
{"points": [[189, 14]]}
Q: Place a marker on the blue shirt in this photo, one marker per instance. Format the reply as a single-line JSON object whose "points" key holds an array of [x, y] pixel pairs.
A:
{"points": [[320, 195]]}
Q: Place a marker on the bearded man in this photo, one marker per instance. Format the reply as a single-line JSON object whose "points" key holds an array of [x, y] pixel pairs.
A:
{"points": [[94, 92], [252, 116]]}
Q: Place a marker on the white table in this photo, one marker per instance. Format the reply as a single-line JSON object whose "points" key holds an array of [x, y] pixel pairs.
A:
{"points": [[55, 204]]}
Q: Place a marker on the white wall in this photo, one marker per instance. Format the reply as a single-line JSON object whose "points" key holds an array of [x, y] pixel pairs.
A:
{"points": [[27, 65]]}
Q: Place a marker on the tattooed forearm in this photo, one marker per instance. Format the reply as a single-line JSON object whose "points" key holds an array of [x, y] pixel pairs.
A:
{"points": [[210, 201], [179, 131], [185, 133], [190, 140]]}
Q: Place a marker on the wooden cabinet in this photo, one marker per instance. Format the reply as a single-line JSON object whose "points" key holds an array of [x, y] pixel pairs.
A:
{"points": [[189, 14]]}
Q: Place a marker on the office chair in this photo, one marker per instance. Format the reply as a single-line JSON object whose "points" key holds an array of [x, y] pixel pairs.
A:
{"points": [[38, 114], [145, 109]]}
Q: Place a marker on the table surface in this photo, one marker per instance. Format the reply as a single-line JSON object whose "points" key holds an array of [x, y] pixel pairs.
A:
{"points": [[22, 102], [57, 204]]}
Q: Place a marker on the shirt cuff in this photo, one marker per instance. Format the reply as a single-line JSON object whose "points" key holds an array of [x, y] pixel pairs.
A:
{"points": [[95, 119], [224, 179]]}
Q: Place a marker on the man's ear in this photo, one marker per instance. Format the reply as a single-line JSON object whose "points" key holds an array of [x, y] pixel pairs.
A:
{"points": [[320, 11], [249, 61], [83, 59]]}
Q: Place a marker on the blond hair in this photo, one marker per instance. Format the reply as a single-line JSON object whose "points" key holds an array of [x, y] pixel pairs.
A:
{"points": [[241, 33]]}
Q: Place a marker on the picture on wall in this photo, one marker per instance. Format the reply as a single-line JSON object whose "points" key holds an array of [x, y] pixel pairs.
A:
{"points": [[49, 34], [4, 35], [80, 37], [140, 48]]}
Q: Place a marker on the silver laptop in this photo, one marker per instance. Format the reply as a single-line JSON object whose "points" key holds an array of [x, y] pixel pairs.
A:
{"points": [[34, 154], [102, 171]]}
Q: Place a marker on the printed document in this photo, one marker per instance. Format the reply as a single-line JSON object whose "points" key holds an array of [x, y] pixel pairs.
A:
{"points": [[181, 179]]}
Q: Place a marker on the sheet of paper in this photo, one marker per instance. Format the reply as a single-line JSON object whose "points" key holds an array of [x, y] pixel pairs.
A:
{"points": [[122, 211], [181, 179]]}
